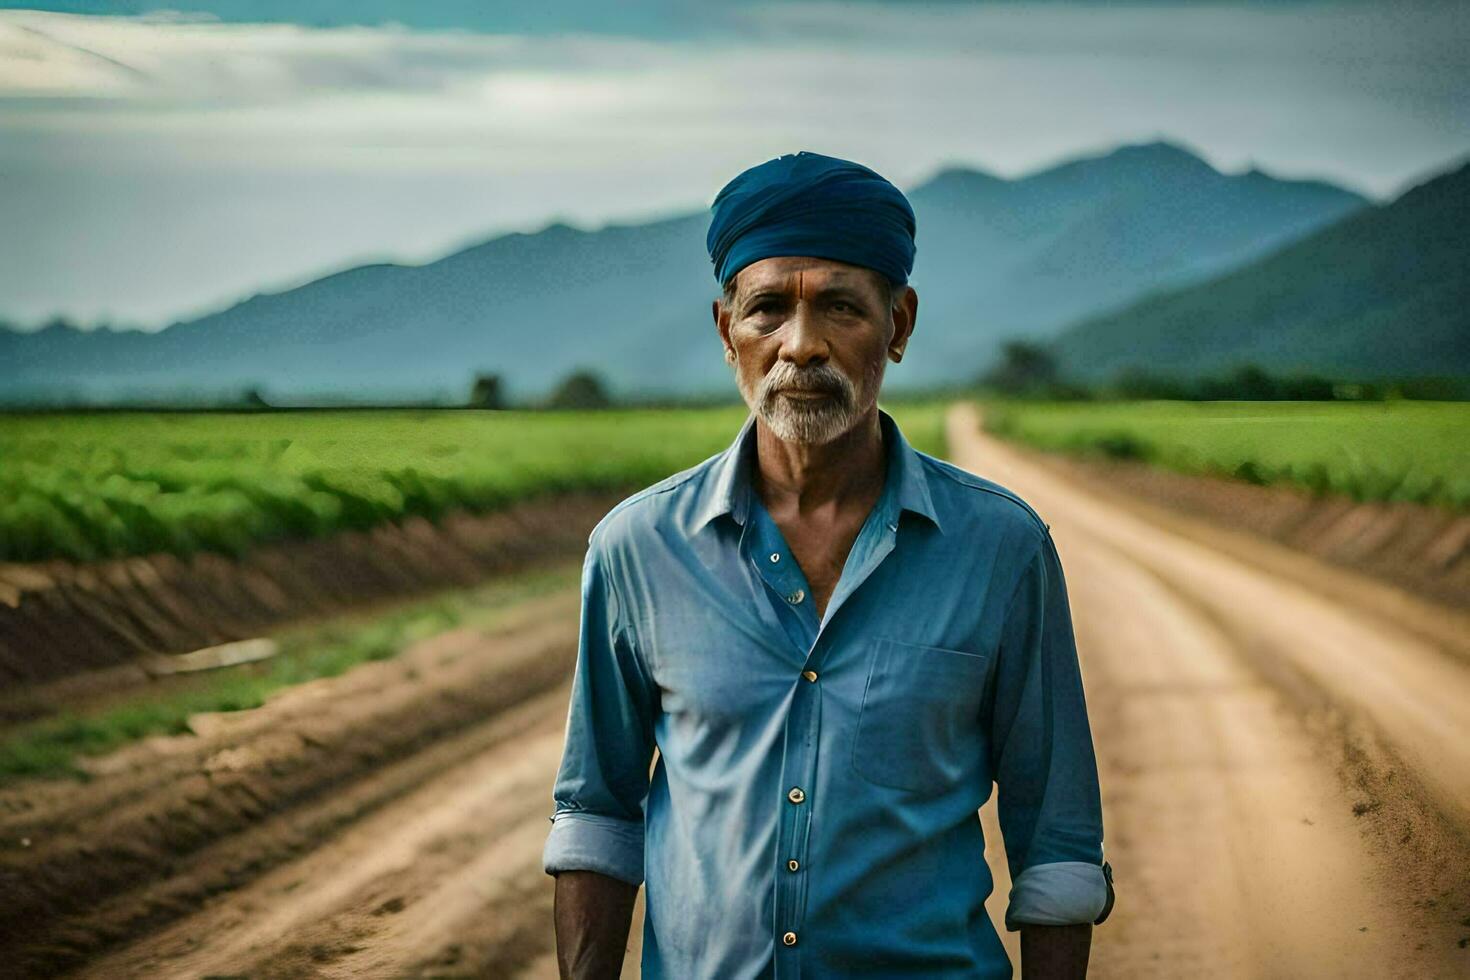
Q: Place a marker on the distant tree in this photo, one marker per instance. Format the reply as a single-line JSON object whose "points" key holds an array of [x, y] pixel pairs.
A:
{"points": [[581, 389], [487, 392], [1307, 388], [1137, 382], [1436, 388], [254, 398], [1252, 383], [1247, 382], [1024, 368]]}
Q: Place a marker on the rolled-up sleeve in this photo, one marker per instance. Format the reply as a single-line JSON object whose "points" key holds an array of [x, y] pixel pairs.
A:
{"points": [[597, 823], [1047, 793]]}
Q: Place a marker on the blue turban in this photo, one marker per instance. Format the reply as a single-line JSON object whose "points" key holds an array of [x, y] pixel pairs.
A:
{"points": [[810, 204]]}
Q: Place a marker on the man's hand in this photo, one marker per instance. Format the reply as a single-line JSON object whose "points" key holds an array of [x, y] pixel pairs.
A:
{"points": [[592, 913], [1055, 952]]}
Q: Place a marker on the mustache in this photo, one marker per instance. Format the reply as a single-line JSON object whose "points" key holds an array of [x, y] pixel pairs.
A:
{"points": [[821, 378]]}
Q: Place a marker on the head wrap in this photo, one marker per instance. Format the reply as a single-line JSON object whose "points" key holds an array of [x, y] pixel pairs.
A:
{"points": [[809, 204]]}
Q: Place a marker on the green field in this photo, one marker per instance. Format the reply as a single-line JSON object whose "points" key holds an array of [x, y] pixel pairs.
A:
{"points": [[101, 485], [1390, 450]]}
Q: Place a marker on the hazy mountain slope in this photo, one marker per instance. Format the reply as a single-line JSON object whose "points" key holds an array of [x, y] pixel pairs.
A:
{"points": [[996, 258], [1384, 292], [1027, 257]]}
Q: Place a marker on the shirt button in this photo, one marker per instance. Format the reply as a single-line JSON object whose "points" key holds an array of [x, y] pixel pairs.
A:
{"points": [[796, 795], [792, 865], [789, 939], [810, 675], [775, 557], [796, 597]]}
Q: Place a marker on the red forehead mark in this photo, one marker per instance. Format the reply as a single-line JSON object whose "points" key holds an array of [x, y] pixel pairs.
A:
{"points": [[804, 280]]}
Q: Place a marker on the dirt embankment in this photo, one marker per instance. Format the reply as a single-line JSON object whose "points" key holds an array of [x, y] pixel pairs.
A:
{"points": [[1423, 549], [170, 822], [60, 620]]}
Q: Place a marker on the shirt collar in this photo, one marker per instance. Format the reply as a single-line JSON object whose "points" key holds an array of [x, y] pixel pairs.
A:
{"points": [[728, 488]]}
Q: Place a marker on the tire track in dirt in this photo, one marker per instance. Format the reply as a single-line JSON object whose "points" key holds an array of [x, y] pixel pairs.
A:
{"points": [[444, 882], [446, 879], [84, 867], [1249, 819]]}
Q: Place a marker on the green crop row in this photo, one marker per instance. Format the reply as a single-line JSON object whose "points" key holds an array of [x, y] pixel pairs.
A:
{"points": [[1392, 450], [91, 486]]}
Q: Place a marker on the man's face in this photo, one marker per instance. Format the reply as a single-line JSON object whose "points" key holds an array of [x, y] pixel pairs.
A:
{"points": [[810, 339]]}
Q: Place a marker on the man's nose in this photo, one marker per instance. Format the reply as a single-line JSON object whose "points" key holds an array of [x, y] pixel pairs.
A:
{"points": [[805, 342]]}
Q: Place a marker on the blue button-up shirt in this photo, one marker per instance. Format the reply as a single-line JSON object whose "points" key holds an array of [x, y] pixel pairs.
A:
{"points": [[813, 809]]}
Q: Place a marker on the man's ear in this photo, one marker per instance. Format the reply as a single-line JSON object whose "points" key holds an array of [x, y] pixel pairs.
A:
{"points": [[905, 315], [722, 326]]}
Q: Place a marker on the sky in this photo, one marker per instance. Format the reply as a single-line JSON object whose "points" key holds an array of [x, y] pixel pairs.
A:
{"points": [[156, 164]]}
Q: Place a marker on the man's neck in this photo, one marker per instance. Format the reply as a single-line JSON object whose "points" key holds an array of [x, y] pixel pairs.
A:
{"points": [[849, 470]]}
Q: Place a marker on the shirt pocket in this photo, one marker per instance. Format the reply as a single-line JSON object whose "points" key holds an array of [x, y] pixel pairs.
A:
{"points": [[919, 725]]}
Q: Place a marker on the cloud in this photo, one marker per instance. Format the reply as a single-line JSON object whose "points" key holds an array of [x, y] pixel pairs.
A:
{"points": [[162, 164], [191, 61]]}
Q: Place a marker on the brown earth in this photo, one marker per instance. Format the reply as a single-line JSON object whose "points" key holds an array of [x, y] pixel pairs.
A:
{"points": [[1284, 746], [1422, 549], [1284, 769], [84, 626], [167, 823]]}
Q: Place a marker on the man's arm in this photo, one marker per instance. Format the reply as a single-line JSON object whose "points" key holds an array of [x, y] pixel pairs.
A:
{"points": [[592, 914], [595, 848], [1046, 776], [1055, 952]]}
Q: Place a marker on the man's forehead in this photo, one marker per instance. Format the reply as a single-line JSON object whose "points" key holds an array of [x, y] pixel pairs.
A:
{"points": [[783, 272]]}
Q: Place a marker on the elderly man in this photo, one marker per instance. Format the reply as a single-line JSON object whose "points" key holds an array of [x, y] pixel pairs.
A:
{"points": [[836, 643]]}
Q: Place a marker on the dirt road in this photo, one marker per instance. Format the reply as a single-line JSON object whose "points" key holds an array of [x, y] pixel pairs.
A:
{"points": [[1285, 778], [1286, 783]]}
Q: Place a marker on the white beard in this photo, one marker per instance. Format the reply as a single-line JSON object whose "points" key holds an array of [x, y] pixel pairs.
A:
{"points": [[815, 422]]}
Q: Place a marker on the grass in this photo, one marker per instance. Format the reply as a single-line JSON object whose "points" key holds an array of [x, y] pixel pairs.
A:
{"points": [[1370, 451], [50, 748], [922, 422], [90, 486]]}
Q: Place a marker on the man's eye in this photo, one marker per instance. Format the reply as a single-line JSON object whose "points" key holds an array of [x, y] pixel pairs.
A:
{"points": [[842, 307]]}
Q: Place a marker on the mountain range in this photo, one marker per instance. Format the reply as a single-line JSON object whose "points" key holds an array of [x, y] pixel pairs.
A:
{"points": [[997, 259], [1383, 292]]}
